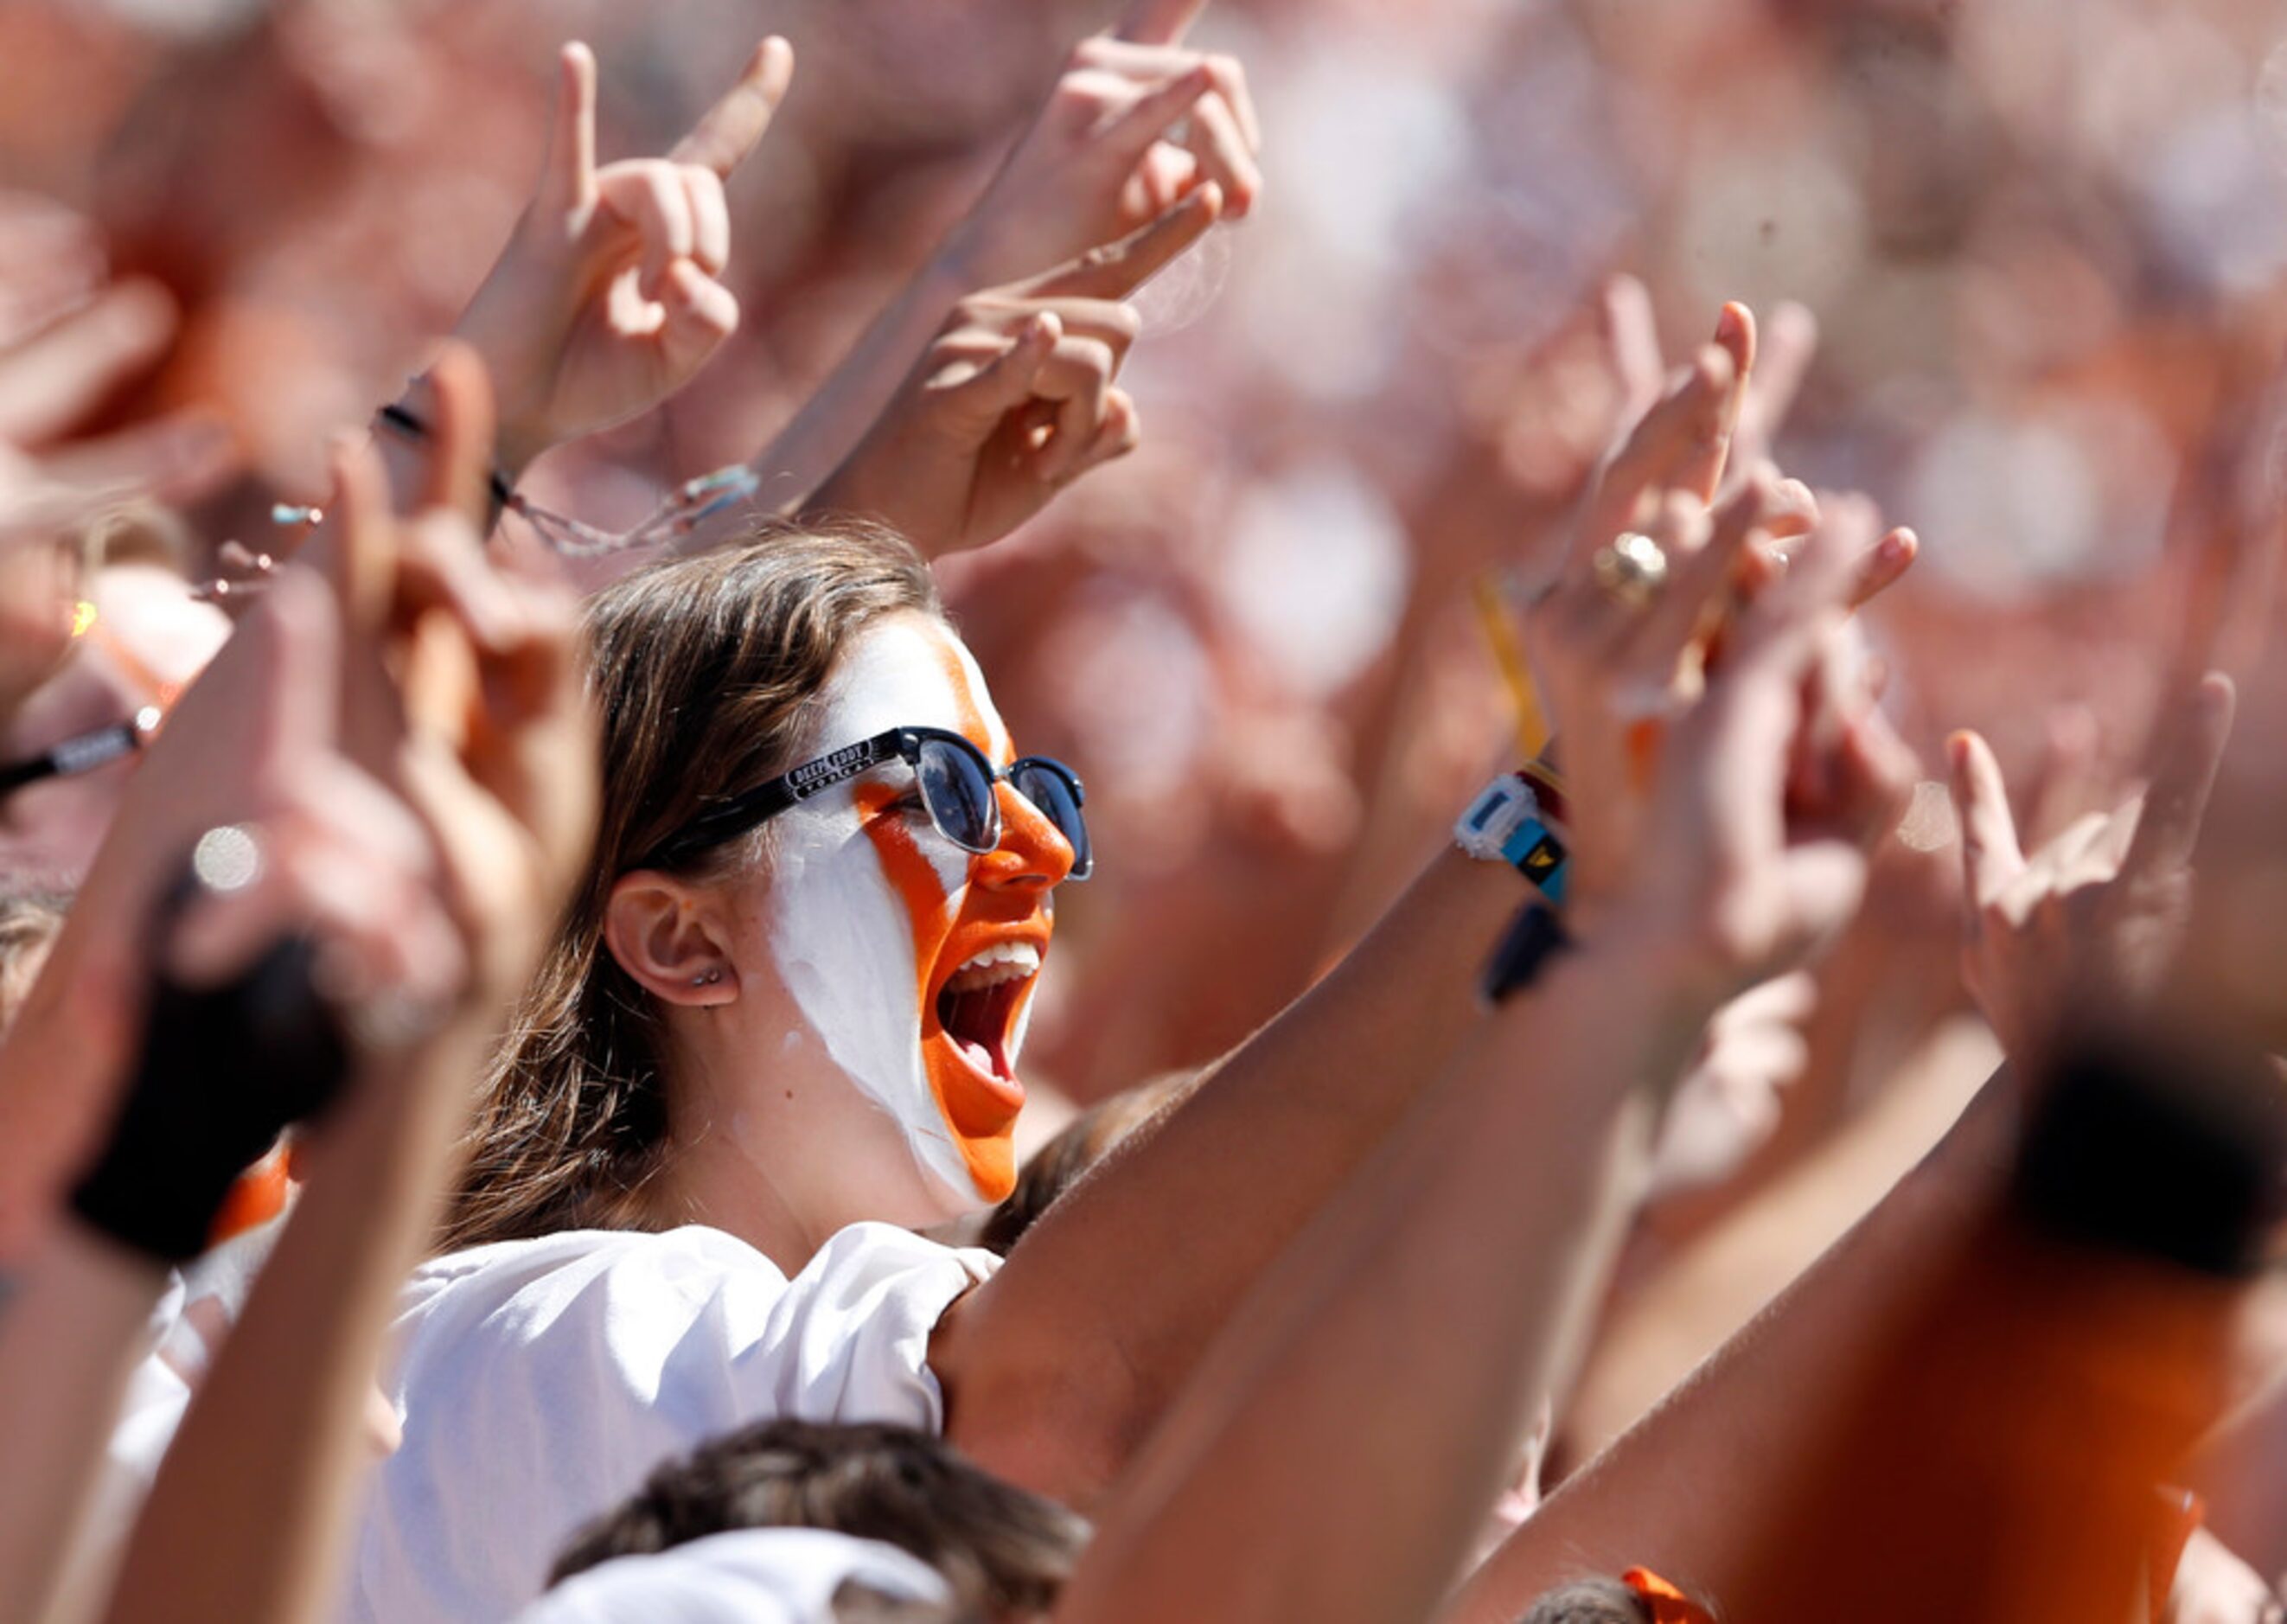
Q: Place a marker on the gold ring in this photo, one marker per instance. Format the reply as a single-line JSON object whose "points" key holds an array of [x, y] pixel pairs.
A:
{"points": [[1631, 568]]}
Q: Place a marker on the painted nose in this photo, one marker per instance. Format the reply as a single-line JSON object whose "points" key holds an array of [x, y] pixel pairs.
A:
{"points": [[1033, 854]]}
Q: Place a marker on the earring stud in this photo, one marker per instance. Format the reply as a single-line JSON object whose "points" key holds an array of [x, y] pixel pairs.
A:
{"points": [[709, 979]]}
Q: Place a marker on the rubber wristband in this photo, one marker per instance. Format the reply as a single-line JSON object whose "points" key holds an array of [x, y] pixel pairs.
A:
{"points": [[1535, 938], [222, 1072], [404, 422], [1511, 822]]}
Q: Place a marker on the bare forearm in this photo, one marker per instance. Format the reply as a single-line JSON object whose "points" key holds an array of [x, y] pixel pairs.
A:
{"points": [[1675, 1493], [1458, 1268], [800, 467], [1144, 1262], [1723, 1278], [69, 1339], [219, 1541]]}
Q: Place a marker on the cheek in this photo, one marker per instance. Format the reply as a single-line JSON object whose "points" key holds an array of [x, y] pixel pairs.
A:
{"points": [[840, 939], [983, 1126], [928, 895]]}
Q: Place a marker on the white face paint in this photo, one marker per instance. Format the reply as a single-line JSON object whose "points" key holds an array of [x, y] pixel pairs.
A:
{"points": [[862, 899]]}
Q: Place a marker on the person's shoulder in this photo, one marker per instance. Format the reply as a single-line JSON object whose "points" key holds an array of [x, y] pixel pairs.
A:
{"points": [[593, 1251], [530, 1283], [748, 1576]]}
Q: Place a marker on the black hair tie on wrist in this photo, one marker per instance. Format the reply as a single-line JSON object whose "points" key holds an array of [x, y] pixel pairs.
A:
{"points": [[402, 419], [1537, 936]]}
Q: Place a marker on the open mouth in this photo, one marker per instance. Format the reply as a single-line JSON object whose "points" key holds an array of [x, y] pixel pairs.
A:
{"points": [[977, 1008]]}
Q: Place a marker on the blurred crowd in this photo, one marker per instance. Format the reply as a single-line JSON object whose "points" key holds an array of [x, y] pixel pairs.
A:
{"points": [[2046, 252], [2022, 270]]}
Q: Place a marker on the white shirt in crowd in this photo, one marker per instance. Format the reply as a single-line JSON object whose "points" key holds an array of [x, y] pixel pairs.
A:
{"points": [[754, 1576], [539, 1382]]}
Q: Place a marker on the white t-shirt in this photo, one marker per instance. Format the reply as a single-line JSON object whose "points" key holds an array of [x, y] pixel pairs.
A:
{"points": [[753, 1576], [193, 1315], [539, 1382]]}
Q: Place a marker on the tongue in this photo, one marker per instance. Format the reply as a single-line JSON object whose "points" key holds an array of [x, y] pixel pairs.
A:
{"points": [[975, 1021]]}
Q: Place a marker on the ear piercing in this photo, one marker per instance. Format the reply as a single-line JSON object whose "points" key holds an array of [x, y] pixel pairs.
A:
{"points": [[709, 979]]}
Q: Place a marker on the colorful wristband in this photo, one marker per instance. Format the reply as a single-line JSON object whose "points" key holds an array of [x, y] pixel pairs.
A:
{"points": [[1512, 823]]}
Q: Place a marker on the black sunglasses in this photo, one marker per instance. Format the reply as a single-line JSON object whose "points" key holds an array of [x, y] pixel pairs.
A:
{"points": [[84, 752], [955, 779]]}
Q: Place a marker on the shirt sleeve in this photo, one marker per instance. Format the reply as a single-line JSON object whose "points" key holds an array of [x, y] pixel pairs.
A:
{"points": [[540, 1382], [756, 1576]]}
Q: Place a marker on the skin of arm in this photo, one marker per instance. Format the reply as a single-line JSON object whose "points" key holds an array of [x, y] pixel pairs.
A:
{"points": [[2071, 916], [1388, 1290], [243, 1521], [1723, 1278], [1213, 1194], [1669, 1494], [1197, 1204], [70, 1336], [508, 806]]}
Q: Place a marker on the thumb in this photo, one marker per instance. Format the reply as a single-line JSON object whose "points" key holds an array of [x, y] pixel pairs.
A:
{"points": [[567, 181]]}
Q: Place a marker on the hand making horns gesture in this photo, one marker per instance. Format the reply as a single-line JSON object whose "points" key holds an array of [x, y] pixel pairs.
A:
{"points": [[607, 299]]}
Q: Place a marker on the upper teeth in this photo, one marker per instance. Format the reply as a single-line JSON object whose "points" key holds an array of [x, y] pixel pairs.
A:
{"points": [[1001, 962]]}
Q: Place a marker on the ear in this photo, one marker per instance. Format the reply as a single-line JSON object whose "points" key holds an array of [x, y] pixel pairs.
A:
{"points": [[668, 935]]}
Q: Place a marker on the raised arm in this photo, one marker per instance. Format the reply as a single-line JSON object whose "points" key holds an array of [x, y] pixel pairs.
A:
{"points": [[492, 754], [1099, 165], [1679, 1492], [608, 298], [1460, 1265], [1192, 1209]]}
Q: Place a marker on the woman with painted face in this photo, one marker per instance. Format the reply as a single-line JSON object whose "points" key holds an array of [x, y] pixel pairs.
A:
{"points": [[782, 1018]]}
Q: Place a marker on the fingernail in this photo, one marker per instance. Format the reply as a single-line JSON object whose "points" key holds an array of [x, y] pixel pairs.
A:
{"points": [[1730, 326]]}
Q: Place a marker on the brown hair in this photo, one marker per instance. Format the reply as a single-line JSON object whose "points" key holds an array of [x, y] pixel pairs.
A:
{"points": [[1051, 1171], [1001, 1549], [704, 671], [1591, 1600]]}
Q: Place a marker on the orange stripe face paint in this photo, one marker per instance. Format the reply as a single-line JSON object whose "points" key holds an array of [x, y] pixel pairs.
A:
{"points": [[913, 960]]}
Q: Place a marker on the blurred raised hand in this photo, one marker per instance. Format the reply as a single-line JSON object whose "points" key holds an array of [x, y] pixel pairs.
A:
{"points": [[2097, 913], [449, 734], [1136, 121], [71, 343], [1717, 860], [1611, 679], [1014, 398], [608, 296]]}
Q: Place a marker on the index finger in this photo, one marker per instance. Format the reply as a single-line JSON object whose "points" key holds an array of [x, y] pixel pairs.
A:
{"points": [[1117, 269], [1158, 22], [734, 126]]}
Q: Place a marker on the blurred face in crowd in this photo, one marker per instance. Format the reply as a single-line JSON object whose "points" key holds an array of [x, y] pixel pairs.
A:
{"points": [[884, 975], [145, 637]]}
